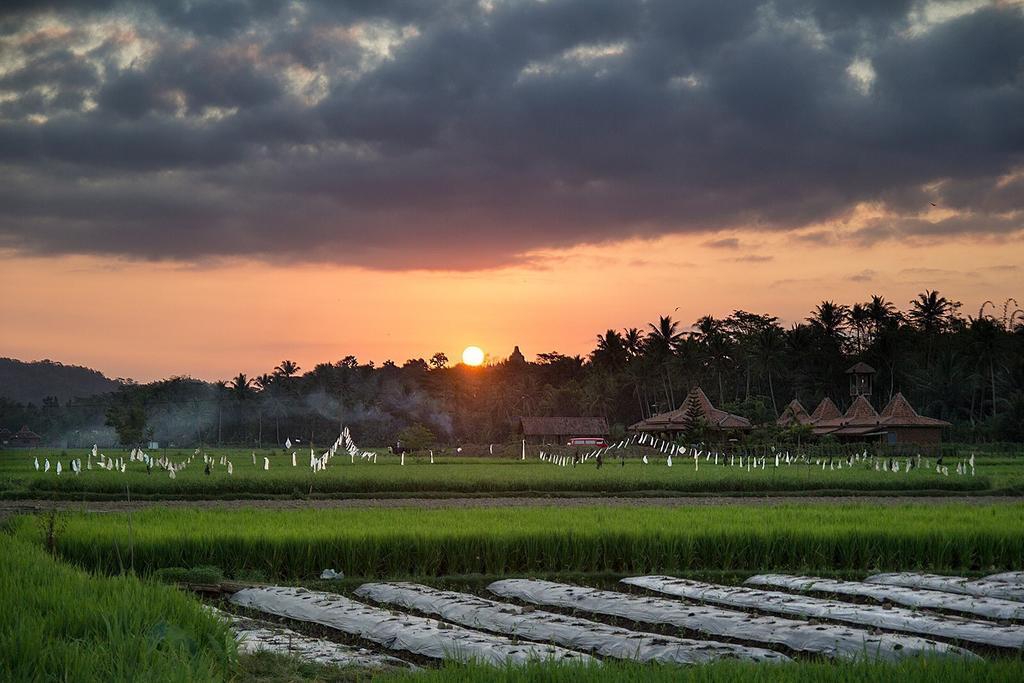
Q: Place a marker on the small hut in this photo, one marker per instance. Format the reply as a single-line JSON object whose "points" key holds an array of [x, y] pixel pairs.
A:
{"points": [[24, 438], [560, 429]]}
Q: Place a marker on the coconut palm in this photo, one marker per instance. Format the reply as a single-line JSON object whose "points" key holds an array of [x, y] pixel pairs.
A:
{"points": [[663, 337], [880, 312], [661, 342], [830, 319], [287, 368], [859, 320], [715, 347], [770, 343], [986, 335], [241, 386], [264, 386], [220, 389], [633, 341], [610, 352], [932, 313]]}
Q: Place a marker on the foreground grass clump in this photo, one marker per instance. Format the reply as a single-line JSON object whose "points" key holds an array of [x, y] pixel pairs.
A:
{"points": [[495, 541], [58, 623], [464, 475], [907, 671]]}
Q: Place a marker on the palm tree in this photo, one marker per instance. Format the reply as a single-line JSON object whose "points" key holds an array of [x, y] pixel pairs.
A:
{"points": [[663, 336], [662, 339], [800, 343], [932, 313], [241, 386], [241, 390], [610, 351], [220, 388], [985, 342], [264, 384], [889, 348], [830, 319], [633, 341], [714, 343], [770, 344], [859, 319], [880, 312], [287, 369]]}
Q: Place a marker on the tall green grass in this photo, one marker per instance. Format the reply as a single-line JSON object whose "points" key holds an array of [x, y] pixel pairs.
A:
{"points": [[416, 542], [931, 670], [58, 623], [462, 476]]}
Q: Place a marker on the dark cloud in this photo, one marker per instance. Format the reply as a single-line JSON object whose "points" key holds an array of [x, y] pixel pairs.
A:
{"points": [[464, 134], [723, 243], [866, 275]]}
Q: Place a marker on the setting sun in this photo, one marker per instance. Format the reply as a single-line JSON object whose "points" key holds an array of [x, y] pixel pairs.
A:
{"points": [[473, 355]]}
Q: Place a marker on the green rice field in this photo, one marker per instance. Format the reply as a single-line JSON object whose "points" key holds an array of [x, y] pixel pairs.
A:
{"points": [[475, 476], [59, 623], [99, 622], [910, 671], [494, 541], [108, 564]]}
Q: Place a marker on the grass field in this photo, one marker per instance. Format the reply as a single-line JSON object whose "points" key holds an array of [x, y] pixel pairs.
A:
{"points": [[59, 623], [477, 476], [119, 625], [494, 541], [911, 671]]}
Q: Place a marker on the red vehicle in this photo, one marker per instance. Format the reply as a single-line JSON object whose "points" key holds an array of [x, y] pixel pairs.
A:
{"points": [[597, 441]]}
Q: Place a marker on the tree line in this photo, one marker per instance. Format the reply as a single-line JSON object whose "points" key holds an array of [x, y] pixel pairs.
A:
{"points": [[966, 369]]}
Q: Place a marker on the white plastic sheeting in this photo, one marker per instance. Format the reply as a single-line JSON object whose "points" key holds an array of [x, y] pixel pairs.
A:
{"points": [[825, 639], [259, 636], [991, 608], [975, 631], [952, 584], [424, 637], [1006, 577], [578, 634]]}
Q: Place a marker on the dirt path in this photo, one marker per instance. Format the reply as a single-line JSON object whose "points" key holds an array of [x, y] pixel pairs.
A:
{"points": [[9, 507]]}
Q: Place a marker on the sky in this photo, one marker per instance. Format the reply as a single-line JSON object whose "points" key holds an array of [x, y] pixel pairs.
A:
{"points": [[207, 188]]}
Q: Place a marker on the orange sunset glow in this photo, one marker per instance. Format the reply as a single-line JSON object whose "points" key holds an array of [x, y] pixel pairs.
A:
{"points": [[212, 321]]}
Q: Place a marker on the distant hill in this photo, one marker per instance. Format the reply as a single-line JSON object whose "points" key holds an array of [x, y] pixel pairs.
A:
{"points": [[32, 382]]}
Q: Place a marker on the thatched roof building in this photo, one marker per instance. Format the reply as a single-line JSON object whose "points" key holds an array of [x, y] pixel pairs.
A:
{"points": [[794, 414], [826, 410], [559, 429], [897, 423], [24, 437], [679, 421]]}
